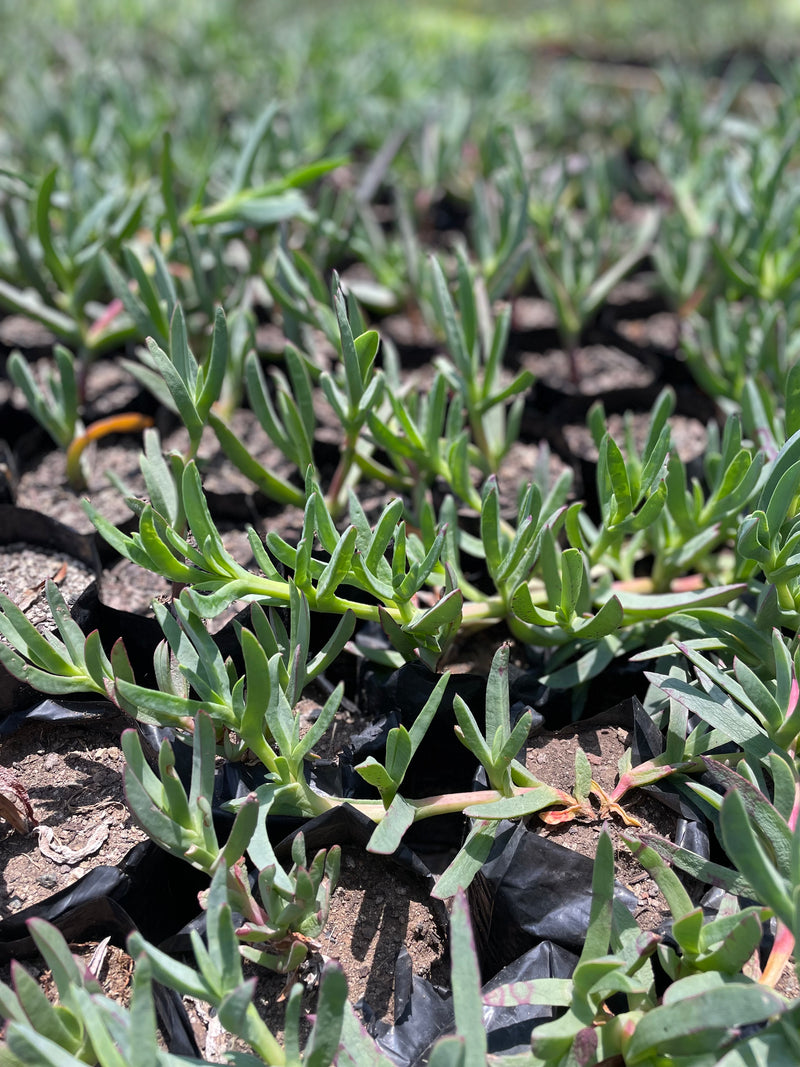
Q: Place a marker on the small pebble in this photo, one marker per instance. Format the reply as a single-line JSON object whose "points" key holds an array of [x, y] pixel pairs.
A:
{"points": [[15, 903], [51, 762], [48, 881]]}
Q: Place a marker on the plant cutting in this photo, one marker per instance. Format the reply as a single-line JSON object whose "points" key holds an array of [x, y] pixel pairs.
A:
{"points": [[56, 406], [67, 263], [576, 263]]}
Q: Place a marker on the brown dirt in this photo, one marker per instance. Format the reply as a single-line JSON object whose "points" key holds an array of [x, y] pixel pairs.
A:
{"points": [[24, 571], [108, 387], [129, 588], [634, 290], [533, 313], [110, 965], [662, 330], [43, 486], [551, 757], [520, 466], [409, 331], [347, 723], [219, 474], [600, 369], [376, 909], [689, 436], [18, 331], [73, 776]]}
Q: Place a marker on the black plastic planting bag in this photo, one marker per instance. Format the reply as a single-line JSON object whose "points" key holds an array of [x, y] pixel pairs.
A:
{"points": [[530, 890], [148, 889], [38, 531], [346, 825], [509, 1026], [607, 694], [43, 531], [83, 911], [141, 634], [530, 907], [441, 764], [58, 711], [114, 902], [423, 1014]]}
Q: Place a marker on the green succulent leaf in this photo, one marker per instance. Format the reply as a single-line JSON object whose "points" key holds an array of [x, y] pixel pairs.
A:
{"points": [[698, 1014], [388, 834], [466, 984], [468, 862]]}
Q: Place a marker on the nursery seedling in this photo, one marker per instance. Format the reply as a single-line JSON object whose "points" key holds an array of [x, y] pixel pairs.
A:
{"points": [[56, 408], [26, 1008], [56, 274], [577, 263], [476, 350]]}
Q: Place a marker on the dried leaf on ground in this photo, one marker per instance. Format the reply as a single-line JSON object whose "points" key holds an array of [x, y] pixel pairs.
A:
{"points": [[15, 805], [58, 853]]}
